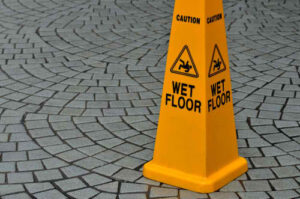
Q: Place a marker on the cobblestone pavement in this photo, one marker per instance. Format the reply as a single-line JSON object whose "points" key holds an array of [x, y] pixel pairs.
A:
{"points": [[80, 85]]}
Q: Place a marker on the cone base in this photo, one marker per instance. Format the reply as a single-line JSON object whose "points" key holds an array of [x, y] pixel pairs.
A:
{"points": [[193, 182]]}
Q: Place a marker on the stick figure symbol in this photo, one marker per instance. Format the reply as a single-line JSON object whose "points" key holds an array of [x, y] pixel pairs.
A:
{"points": [[185, 66]]}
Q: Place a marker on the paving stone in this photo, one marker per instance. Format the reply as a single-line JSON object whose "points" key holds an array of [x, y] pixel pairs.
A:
{"points": [[48, 175], [57, 126], [287, 171], [7, 167], [257, 142], [142, 126], [79, 142], [289, 146], [19, 177], [272, 151], [99, 135], [127, 148], [91, 150], [87, 127], [17, 137], [8, 189], [38, 187], [270, 107], [90, 163], [72, 171], [83, 193], [265, 129], [249, 152], [38, 154], [185, 194], [132, 188], [258, 185], [2, 178], [105, 196], [264, 162], [57, 148], [52, 163], [276, 138], [51, 194], [127, 174], [67, 134], [109, 187], [283, 184], [109, 156], [269, 114], [7, 147], [70, 184], [223, 195], [108, 169], [129, 162], [71, 156], [233, 186], [72, 111], [260, 122], [48, 141], [283, 194], [292, 132], [36, 124], [14, 156], [162, 192], [44, 132], [253, 195], [113, 112], [95, 179], [132, 196], [285, 124], [17, 196], [144, 155], [256, 174], [140, 140], [147, 181], [288, 160], [108, 143]]}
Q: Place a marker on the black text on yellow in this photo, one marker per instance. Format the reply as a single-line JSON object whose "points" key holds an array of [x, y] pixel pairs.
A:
{"points": [[182, 97], [188, 19], [219, 96]]}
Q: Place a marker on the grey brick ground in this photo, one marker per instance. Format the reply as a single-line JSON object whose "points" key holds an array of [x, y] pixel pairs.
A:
{"points": [[80, 87]]}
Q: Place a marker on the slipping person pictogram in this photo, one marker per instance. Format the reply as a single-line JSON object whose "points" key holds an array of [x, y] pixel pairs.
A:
{"points": [[184, 64], [217, 64]]}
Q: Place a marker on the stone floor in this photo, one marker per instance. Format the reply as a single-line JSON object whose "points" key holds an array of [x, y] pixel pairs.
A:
{"points": [[80, 84]]}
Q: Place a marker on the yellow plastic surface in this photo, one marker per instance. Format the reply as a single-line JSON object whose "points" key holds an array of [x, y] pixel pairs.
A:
{"points": [[196, 145]]}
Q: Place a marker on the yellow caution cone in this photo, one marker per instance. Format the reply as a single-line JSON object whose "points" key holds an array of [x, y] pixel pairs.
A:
{"points": [[196, 145]]}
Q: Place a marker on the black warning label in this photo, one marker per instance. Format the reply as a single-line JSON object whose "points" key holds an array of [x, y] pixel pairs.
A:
{"points": [[220, 96], [217, 64], [184, 64], [182, 97]]}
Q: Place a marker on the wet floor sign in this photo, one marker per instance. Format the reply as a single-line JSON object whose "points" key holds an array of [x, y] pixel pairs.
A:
{"points": [[196, 145]]}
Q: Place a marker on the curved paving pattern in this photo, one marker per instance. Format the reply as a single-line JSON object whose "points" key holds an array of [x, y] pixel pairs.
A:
{"points": [[80, 85]]}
